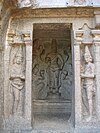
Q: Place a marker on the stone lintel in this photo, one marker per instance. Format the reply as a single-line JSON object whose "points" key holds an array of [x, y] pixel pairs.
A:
{"points": [[53, 12]]}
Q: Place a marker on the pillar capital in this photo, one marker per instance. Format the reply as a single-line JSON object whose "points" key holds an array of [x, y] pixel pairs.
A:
{"points": [[78, 37], [14, 38], [27, 37], [96, 36]]}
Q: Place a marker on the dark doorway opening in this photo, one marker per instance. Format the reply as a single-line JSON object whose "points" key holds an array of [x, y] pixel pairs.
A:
{"points": [[52, 76]]}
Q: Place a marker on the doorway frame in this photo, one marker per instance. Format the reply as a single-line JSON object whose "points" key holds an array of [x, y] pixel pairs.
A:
{"points": [[73, 84], [28, 41]]}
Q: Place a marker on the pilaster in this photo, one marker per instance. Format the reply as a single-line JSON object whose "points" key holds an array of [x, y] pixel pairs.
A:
{"points": [[96, 41], [77, 66], [28, 81], [18, 43]]}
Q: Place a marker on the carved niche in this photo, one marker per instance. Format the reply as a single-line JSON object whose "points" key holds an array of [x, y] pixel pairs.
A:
{"points": [[17, 78], [88, 87], [52, 64]]}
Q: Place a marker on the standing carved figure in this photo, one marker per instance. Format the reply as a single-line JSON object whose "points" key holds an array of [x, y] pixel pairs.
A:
{"points": [[55, 63], [88, 84], [17, 79]]}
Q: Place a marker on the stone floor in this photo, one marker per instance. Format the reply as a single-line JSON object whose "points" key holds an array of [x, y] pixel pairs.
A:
{"points": [[52, 122]]}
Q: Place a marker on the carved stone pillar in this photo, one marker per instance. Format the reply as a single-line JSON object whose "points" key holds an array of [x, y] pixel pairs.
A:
{"points": [[18, 73], [28, 82], [96, 41], [77, 66], [10, 41]]}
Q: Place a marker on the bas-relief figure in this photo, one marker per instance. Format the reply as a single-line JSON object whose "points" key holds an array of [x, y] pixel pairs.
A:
{"points": [[66, 82], [88, 83], [39, 72], [17, 77], [39, 83], [55, 63], [51, 74]]}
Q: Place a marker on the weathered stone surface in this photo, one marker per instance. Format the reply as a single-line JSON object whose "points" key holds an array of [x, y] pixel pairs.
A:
{"points": [[49, 67]]}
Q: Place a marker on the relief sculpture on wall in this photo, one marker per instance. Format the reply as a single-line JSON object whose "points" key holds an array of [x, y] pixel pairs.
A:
{"points": [[39, 79], [88, 84], [52, 70], [17, 77], [54, 66]]}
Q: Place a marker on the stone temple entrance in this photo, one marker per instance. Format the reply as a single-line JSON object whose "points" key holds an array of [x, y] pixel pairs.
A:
{"points": [[52, 76]]}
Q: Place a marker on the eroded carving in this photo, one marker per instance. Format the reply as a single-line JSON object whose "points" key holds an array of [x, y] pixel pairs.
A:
{"points": [[88, 83], [80, 2], [27, 3], [16, 37], [87, 37], [83, 2], [39, 72], [66, 82], [54, 66], [17, 76], [52, 70]]}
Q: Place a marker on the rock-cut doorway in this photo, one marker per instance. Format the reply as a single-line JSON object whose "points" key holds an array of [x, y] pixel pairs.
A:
{"points": [[52, 76]]}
